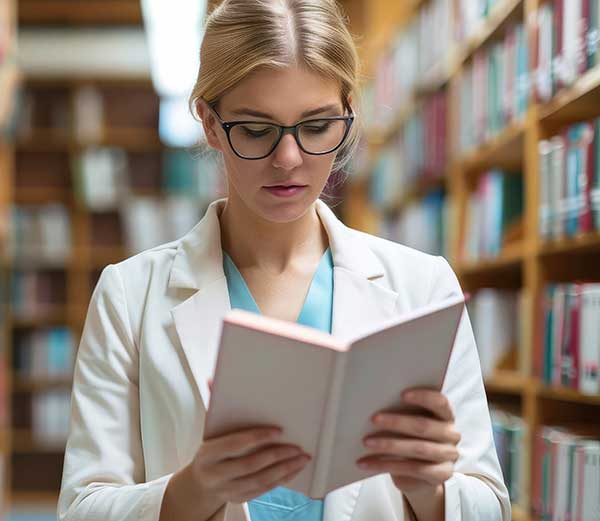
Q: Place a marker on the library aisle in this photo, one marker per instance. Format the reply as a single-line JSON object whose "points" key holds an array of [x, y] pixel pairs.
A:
{"points": [[481, 143]]}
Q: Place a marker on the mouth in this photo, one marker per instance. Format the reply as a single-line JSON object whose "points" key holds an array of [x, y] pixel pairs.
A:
{"points": [[286, 186]]}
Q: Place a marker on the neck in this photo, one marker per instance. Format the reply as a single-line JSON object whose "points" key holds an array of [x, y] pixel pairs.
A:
{"points": [[255, 242]]}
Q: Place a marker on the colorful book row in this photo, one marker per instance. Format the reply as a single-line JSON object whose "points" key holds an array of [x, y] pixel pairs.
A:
{"points": [[568, 353], [494, 215], [570, 182], [45, 353], [566, 474], [494, 88], [566, 39]]}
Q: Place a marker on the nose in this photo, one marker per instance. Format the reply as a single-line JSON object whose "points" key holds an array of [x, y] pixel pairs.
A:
{"points": [[288, 154]]}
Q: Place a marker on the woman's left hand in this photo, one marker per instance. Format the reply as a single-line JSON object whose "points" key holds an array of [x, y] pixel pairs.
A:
{"points": [[418, 451]]}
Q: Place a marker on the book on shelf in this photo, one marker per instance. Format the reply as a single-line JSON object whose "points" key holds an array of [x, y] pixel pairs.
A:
{"points": [[494, 315], [566, 472], [265, 360], [413, 60], [88, 114], [421, 224], [568, 352], [566, 44], [40, 233], [50, 418], [570, 182], [511, 440], [36, 292], [494, 215], [494, 88], [100, 177], [45, 353]]}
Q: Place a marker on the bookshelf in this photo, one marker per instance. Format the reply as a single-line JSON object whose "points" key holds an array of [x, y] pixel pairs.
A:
{"points": [[527, 263], [9, 81], [68, 129]]}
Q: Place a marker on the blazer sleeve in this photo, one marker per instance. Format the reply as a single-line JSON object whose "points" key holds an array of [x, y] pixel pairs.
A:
{"points": [[103, 474], [476, 491]]}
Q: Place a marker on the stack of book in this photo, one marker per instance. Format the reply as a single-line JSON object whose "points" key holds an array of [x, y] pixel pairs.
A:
{"points": [[568, 353], [422, 224], [510, 438], [414, 61], [494, 215], [494, 88], [566, 43], [40, 233], [100, 177], [566, 474], [469, 15], [35, 293], [45, 353], [495, 316], [51, 413], [570, 182]]}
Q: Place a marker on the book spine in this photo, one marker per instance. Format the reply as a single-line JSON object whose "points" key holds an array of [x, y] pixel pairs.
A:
{"points": [[318, 488]]}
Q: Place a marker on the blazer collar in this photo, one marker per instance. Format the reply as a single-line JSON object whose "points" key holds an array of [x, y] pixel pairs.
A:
{"points": [[199, 259]]}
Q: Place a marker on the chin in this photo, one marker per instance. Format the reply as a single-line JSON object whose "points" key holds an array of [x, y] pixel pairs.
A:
{"points": [[283, 211]]}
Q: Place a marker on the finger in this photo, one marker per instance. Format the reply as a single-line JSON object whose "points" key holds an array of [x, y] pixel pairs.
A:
{"points": [[236, 444], [260, 491], [266, 479], [433, 401], [210, 384], [239, 467], [412, 449], [432, 473], [419, 427]]}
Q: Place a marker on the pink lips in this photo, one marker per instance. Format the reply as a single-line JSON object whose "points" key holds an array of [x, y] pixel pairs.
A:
{"points": [[284, 191]]}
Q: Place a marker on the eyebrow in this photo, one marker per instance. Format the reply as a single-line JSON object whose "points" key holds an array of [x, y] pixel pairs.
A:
{"points": [[250, 112]]}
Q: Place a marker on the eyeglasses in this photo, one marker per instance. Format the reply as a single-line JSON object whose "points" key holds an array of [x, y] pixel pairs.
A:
{"points": [[257, 140]]}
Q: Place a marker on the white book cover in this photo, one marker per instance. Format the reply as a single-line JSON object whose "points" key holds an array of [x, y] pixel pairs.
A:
{"points": [[589, 348], [321, 390]]}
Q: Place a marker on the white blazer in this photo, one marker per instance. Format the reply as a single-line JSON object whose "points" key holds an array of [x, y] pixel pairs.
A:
{"points": [[149, 346]]}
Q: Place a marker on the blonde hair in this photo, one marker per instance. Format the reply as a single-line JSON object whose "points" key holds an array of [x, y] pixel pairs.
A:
{"points": [[242, 36]]}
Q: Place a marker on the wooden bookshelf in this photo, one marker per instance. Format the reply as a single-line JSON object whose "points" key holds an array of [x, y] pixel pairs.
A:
{"points": [[528, 263], [10, 79], [90, 12]]}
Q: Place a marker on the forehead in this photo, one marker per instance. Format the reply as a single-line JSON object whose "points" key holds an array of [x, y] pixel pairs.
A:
{"points": [[284, 93]]}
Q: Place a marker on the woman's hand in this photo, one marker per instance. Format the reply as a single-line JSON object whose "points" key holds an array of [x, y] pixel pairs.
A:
{"points": [[418, 451], [243, 465]]}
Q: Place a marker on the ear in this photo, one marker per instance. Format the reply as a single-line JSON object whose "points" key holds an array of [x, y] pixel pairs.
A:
{"points": [[210, 124]]}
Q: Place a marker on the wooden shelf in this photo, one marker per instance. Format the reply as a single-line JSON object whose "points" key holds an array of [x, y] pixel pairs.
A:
{"points": [[502, 14], [41, 498], [127, 138], [583, 243], [507, 382], [510, 258], [518, 514], [37, 195], [102, 256], [40, 384], [52, 317], [44, 139], [418, 189], [505, 150], [567, 395], [23, 442], [578, 102], [90, 12]]}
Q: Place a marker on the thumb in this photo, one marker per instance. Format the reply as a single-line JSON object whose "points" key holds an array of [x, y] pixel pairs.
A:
{"points": [[210, 384]]}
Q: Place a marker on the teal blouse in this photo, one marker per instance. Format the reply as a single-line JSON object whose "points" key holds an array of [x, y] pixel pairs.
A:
{"points": [[280, 503]]}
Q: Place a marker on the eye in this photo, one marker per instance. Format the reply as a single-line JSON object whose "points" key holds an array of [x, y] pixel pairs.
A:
{"points": [[257, 131], [318, 127]]}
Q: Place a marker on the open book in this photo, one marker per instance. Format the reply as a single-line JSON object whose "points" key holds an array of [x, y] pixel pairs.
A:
{"points": [[321, 390]]}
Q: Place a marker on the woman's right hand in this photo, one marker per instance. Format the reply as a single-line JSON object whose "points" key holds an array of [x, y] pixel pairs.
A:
{"points": [[243, 465]]}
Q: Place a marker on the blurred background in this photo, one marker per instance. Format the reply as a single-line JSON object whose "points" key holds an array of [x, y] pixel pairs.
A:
{"points": [[481, 143]]}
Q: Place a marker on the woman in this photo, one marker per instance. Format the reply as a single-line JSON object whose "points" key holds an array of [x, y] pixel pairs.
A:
{"points": [[274, 94]]}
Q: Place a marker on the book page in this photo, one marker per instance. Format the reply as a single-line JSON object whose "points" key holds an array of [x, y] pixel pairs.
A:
{"points": [[267, 379], [380, 367]]}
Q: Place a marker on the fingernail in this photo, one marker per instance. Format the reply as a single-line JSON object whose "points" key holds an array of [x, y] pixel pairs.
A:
{"points": [[363, 465], [371, 443], [410, 396]]}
